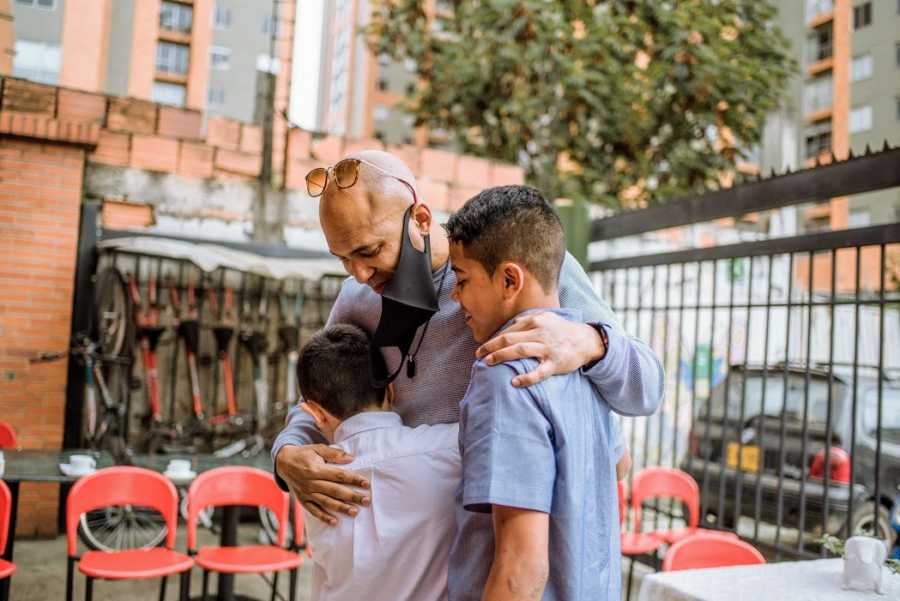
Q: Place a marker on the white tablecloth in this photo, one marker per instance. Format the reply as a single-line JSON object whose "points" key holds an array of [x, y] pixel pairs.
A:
{"points": [[817, 580]]}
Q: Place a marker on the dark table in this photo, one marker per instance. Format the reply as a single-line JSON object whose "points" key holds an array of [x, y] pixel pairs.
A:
{"points": [[43, 466], [36, 466]]}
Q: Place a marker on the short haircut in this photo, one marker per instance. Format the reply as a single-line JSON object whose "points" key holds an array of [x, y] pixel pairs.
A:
{"points": [[511, 223], [335, 370]]}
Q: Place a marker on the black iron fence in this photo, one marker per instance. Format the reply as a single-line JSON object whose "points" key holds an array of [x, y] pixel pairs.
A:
{"points": [[782, 363]]}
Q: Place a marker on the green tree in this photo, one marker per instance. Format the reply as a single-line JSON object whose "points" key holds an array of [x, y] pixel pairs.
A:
{"points": [[623, 103]]}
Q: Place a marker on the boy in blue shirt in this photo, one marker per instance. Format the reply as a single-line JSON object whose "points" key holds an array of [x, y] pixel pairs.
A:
{"points": [[537, 460]]}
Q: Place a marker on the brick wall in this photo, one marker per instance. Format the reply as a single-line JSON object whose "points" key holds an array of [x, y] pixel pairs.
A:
{"points": [[40, 195]]}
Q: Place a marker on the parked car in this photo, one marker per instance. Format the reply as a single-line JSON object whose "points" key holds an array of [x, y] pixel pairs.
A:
{"points": [[733, 446]]}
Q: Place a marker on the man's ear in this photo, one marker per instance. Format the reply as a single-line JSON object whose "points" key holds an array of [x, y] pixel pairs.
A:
{"points": [[421, 216], [513, 277], [315, 411]]}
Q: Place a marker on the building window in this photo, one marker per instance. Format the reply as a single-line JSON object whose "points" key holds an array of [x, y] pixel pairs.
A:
{"points": [[37, 61], [44, 4], [815, 8], [220, 58], [169, 93], [175, 16], [410, 65], [382, 84], [861, 67], [410, 88], [172, 58], [817, 95], [817, 140], [818, 44], [381, 112], [859, 218], [862, 15], [384, 60], [215, 96], [861, 119], [221, 17]]}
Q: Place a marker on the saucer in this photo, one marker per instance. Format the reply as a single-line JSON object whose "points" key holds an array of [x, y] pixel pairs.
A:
{"points": [[72, 472], [188, 475]]}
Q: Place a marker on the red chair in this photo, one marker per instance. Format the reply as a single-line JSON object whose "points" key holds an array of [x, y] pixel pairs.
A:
{"points": [[7, 436], [704, 550], [7, 569], [125, 486], [656, 482], [234, 485]]}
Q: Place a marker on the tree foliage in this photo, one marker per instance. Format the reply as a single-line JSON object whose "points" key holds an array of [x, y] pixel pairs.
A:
{"points": [[624, 103]]}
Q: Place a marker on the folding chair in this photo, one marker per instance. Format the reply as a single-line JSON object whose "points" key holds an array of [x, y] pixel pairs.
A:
{"points": [[656, 482], [7, 436], [125, 486], [704, 550], [235, 485]]}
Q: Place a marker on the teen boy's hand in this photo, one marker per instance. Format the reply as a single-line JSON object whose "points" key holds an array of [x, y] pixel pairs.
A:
{"points": [[322, 490], [561, 346]]}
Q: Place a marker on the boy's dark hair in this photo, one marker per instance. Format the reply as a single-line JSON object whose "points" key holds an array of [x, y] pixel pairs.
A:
{"points": [[335, 370], [511, 223]]}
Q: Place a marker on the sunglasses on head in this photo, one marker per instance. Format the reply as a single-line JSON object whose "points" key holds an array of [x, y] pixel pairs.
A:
{"points": [[345, 174]]}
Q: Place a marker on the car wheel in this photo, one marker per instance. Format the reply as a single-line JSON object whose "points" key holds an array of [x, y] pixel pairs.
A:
{"points": [[866, 523]]}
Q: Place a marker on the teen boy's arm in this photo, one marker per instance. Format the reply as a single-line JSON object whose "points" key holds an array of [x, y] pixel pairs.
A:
{"points": [[521, 563]]}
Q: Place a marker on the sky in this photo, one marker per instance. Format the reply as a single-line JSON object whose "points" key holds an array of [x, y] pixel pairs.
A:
{"points": [[305, 77]]}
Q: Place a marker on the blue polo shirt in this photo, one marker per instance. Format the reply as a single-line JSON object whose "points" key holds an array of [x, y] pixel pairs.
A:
{"points": [[546, 448]]}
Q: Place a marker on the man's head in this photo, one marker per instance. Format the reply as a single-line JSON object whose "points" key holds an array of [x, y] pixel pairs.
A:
{"points": [[363, 223], [335, 377], [507, 246]]}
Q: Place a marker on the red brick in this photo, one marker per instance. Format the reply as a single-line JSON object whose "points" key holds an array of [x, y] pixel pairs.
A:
{"points": [[196, 160], [327, 149], [29, 97], [131, 115], [238, 162], [352, 146], [81, 106], [295, 178], [439, 165], [180, 123], [299, 144], [503, 174], [39, 126], [154, 153], [223, 133], [120, 215], [473, 172], [434, 194], [112, 149], [252, 139]]}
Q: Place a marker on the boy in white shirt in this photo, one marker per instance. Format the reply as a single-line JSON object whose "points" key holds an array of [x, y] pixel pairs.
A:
{"points": [[398, 546]]}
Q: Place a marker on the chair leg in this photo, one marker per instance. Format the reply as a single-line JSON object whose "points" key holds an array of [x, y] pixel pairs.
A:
{"points": [[89, 589], [162, 588], [630, 580], [274, 585], [205, 584], [185, 592], [293, 592], [70, 574]]}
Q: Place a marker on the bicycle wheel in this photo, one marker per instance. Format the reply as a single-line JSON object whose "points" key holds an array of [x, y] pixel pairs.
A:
{"points": [[122, 527], [112, 313]]}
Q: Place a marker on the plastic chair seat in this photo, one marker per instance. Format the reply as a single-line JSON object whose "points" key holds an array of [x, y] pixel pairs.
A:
{"points": [[134, 563], [7, 569], [640, 543], [670, 537], [247, 559]]}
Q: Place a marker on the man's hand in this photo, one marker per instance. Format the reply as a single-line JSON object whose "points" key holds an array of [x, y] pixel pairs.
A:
{"points": [[322, 490], [561, 346]]}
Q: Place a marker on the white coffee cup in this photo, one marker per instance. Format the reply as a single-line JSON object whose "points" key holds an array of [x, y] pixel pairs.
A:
{"points": [[179, 466], [82, 463]]}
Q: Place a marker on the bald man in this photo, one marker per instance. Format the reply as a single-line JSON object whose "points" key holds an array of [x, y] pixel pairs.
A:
{"points": [[363, 226]]}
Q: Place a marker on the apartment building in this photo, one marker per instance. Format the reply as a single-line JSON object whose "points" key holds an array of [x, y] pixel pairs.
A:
{"points": [[846, 97], [202, 54]]}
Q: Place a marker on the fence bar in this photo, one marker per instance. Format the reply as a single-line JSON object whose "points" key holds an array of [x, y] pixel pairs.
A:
{"points": [[828, 412], [779, 515], [876, 501], [706, 433], [805, 427], [853, 407], [739, 427], [764, 385], [723, 455], [678, 373]]}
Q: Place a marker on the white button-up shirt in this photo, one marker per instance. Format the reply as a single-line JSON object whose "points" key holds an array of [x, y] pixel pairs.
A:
{"points": [[398, 547]]}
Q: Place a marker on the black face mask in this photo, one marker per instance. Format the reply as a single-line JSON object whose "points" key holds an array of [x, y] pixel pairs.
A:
{"points": [[407, 302]]}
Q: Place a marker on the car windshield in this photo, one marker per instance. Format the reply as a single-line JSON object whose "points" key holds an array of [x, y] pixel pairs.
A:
{"points": [[890, 414], [772, 399]]}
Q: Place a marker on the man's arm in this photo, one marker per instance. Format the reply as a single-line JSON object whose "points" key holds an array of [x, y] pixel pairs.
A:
{"points": [[626, 372], [521, 564]]}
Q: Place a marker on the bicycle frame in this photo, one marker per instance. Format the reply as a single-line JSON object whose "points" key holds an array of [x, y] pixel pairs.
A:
{"points": [[223, 333], [189, 331], [146, 317]]}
